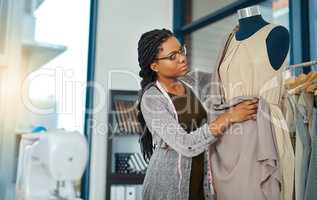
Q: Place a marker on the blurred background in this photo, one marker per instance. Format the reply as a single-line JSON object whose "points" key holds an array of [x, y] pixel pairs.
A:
{"points": [[72, 64]]}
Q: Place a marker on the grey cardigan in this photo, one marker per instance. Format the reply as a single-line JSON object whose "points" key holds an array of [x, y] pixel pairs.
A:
{"points": [[168, 173]]}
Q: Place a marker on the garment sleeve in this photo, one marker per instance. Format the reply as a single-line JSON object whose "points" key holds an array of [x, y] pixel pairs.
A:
{"points": [[160, 121]]}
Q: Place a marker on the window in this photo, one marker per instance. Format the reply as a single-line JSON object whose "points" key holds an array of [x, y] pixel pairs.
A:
{"points": [[63, 79], [276, 12], [201, 8], [313, 30], [205, 43]]}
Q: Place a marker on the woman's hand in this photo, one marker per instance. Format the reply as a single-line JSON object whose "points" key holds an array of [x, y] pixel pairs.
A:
{"points": [[243, 111]]}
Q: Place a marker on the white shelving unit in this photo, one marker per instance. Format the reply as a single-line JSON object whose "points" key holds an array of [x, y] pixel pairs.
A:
{"points": [[20, 54], [37, 54]]}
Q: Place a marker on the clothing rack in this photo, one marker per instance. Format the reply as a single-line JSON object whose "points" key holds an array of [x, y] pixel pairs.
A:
{"points": [[304, 64]]}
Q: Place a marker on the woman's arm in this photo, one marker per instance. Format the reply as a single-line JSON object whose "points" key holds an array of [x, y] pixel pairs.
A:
{"points": [[160, 121]]}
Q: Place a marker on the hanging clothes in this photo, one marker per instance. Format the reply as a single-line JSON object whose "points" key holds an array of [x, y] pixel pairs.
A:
{"points": [[303, 143], [311, 182], [246, 71]]}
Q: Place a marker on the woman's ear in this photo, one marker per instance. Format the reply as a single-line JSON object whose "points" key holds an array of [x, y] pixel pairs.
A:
{"points": [[154, 67]]}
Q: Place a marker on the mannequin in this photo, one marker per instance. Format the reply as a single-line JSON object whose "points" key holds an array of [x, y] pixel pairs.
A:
{"points": [[251, 65], [277, 42]]}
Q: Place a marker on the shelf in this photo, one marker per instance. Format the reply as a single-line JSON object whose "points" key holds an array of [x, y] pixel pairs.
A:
{"points": [[127, 179], [37, 54], [124, 116], [118, 142], [38, 3]]}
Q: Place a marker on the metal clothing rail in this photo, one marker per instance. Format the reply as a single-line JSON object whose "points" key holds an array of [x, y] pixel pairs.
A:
{"points": [[304, 64]]}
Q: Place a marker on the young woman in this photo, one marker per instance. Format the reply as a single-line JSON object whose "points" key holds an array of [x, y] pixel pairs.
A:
{"points": [[174, 117]]}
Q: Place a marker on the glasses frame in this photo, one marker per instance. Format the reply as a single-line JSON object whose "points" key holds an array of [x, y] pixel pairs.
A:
{"points": [[181, 51]]}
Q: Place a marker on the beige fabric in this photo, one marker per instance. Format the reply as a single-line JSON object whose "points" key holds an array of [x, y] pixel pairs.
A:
{"points": [[246, 71]]}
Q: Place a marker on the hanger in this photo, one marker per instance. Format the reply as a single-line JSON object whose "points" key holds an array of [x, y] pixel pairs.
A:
{"points": [[311, 80], [294, 82], [312, 88], [304, 82]]}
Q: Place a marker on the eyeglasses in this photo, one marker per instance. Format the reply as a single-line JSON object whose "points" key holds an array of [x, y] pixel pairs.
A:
{"points": [[173, 55]]}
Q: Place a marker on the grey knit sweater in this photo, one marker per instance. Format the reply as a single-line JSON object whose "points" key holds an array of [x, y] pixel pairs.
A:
{"points": [[168, 173]]}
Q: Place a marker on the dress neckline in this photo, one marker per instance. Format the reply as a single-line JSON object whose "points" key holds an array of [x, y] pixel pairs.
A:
{"points": [[253, 35]]}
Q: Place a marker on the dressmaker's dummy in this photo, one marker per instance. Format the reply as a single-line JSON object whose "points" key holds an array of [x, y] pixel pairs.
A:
{"points": [[252, 65], [277, 46], [277, 42]]}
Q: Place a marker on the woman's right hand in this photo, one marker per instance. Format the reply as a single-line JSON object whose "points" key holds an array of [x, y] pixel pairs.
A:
{"points": [[243, 111]]}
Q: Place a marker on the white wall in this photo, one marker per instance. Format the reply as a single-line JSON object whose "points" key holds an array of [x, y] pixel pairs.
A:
{"points": [[120, 24]]}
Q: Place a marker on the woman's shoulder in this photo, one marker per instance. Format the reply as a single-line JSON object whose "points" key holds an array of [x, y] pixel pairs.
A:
{"points": [[152, 95], [152, 90]]}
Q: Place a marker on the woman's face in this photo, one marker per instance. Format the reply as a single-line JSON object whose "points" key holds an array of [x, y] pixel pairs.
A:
{"points": [[170, 61]]}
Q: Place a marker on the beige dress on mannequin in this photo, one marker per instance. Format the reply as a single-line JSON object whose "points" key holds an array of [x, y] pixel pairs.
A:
{"points": [[246, 71]]}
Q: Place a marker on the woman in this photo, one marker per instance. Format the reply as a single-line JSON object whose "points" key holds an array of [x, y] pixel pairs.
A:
{"points": [[177, 132]]}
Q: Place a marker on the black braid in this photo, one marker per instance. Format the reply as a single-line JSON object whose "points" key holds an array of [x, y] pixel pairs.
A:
{"points": [[148, 48]]}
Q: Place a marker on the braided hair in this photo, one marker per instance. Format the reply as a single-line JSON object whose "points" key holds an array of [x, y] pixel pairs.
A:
{"points": [[148, 47]]}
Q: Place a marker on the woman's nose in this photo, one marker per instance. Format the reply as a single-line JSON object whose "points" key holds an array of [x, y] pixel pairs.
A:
{"points": [[182, 58]]}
